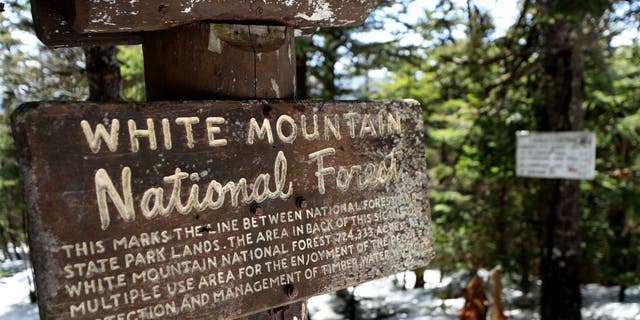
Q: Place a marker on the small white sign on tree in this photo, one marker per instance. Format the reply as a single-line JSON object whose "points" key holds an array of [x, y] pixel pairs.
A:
{"points": [[556, 155]]}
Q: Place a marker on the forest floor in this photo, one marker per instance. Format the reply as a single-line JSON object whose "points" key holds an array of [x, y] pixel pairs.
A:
{"points": [[381, 299], [442, 299]]}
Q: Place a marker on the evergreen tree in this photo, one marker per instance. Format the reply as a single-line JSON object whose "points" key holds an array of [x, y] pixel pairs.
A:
{"points": [[28, 73]]}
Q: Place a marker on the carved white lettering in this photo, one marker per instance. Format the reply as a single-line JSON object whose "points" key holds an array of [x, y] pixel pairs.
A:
{"points": [[166, 133], [259, 131], [95, 139], [152, 202], [188, 123], [315, 134], [373, 174], [293, 129], [105, 187], [135, 133], [318, 156], [212, 130]]}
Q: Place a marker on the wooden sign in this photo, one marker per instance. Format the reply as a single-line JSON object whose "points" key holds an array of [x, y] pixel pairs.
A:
{"points": [[214, 210], [561, 155], [81, 22]]}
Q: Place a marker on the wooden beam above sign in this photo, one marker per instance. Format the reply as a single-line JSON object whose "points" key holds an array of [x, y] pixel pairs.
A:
{"points": [[218, 209], [55, 32], [127, 16], [66, 23]]}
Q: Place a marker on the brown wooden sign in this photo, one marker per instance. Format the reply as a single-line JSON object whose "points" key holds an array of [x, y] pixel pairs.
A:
{"points": [[82, 22], [215, 210]]}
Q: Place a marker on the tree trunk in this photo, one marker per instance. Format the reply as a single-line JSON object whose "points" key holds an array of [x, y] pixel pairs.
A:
{"points": [[562, 99], [333, 39], [419, 278], [501, 223], [621, 293], [523, 258], [12, 236], [4, 244], [330, 89], [103, 72], [349, 311], [302, 91], [618, 258]]}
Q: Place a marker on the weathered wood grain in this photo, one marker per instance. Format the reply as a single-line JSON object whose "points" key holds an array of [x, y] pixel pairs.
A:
{"points": [[127, 16], [207, 61], [376, 225], [74, 23], [55, 32]]}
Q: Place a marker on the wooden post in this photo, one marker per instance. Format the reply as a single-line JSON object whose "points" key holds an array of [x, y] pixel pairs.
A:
{"points": [[213, 61], [203, 61]]}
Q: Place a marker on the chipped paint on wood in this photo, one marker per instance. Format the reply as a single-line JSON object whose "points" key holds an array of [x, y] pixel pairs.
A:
{"points": [[276, 88], [54, 31], [96, 22], [128, 213], [125, 15]]}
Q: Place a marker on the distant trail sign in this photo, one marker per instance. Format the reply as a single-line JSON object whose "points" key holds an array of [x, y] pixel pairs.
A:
{"points": [[218, 209], [562, 155]]}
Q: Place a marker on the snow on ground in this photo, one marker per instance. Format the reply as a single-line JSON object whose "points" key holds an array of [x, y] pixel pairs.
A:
{"points": [[386, 298], [441, 300], [14, 293]]}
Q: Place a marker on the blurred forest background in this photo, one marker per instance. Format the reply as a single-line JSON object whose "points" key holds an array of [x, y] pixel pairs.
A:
{"points": [[556, 68]]}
